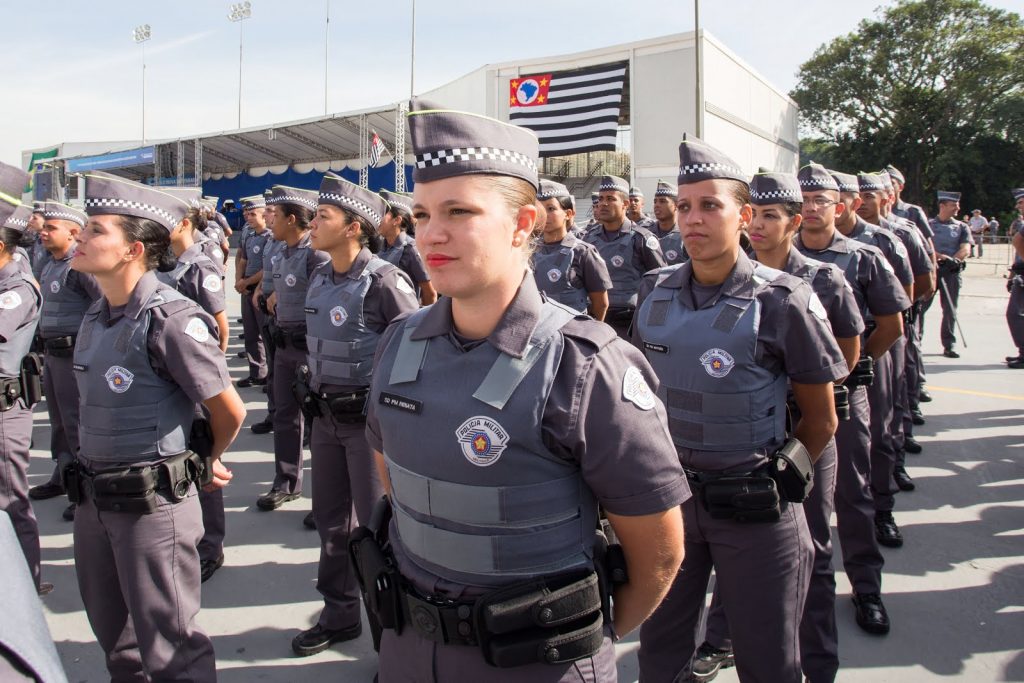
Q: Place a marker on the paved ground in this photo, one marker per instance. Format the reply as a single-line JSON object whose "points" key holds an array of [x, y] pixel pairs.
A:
{"points": [[955, 591]]}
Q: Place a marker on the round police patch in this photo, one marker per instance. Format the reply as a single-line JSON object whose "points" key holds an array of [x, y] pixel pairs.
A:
{"points": [[636, 390], [482, 439], [256, 249], [554, 275], [218, 255], [718, 362], [55, 286], [118, 379], [198, 330], [815, 306], [672, 254], [10, 300], [290, 280], [338, 316], [617, 261], [212, 283], [652, 243]]}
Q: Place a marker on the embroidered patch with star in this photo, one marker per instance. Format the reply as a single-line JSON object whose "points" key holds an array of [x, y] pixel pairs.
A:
{"points": [[717, 362], [290, 280], [636, 390], [10, 300], [554, 275], [118, 379], [338, 316], [482, 439], [212, 283], [198, 330]]}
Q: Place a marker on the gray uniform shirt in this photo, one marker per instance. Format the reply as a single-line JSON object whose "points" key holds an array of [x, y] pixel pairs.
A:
{"points": [[890, 246]]}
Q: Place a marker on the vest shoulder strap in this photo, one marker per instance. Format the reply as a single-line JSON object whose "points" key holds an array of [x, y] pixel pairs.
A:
{"points": [[770, 277], [410, 355]]}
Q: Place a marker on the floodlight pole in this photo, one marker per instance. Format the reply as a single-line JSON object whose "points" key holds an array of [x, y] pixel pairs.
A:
{"points": [[141, 34], [327, 51], [412, 54], [239, 12], [698, 58]]}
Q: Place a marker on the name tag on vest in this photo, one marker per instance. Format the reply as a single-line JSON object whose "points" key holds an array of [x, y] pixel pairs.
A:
{"points": [[311, 310], [409, 405], [78, 367], [277, 275], [660, 348]]}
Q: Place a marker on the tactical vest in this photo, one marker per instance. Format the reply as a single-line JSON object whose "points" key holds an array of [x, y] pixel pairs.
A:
{"points": [[672, 246], [848, 262], [254, 244], [211, 248], [478, 498], [128, 412], [271, 255], [556, 276], [341, 346], [63, 307], [393, 254], [290, 283], [618, 255], [718, 397], [18, 344], [947, 236]]}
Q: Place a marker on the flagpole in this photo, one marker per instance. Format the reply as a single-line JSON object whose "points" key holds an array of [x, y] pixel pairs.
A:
{"points": [[327, 52], [698, 48], [412, 54]]}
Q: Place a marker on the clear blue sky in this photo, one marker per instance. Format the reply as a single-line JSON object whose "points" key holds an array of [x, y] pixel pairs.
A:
{"points": [[73, 73]]}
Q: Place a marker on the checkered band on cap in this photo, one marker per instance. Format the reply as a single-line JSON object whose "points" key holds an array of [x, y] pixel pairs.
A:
{"points": [[847, 182], [636, 192], [368, 205], [37, 207], [699, 161], [281, 194], [549, 189], [448, 156], [896, 174], [665, 190], [775, 188], [948, 196], [1018, 193], [611, 182], [19, 219], [257, 201], [96, 205], [352, 203], [816, 177], [62, 212], [869, 182]]}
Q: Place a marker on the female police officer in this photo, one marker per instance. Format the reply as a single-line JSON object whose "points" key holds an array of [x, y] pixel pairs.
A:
{"points": [[145, 356], [568, 270], [349, 304], [500, 422], [724, 336]]}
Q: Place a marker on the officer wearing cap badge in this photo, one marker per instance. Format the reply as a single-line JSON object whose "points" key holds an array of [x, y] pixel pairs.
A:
{"points": [[1015, 306], [725, 337], [145, 356], [666, 229], [512, 416], [952, 239], [399, 247], [248, 276], [565, 268], [271, 255], [635, 209]]}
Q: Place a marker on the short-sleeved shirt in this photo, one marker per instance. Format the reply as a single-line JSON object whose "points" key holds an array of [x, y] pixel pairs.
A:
{"points": [[203, 281], [586, 261], [834, 292], [408, 258], [917, 255], [890, 246], [624, 452], [19, 305], [949, 235], [916, 215], [978, 224], [250, 249], [874, 283]]}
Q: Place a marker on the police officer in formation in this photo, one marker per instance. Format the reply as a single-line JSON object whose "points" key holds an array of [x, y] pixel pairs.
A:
{"points": [[38, 251], [271, 255], [635, 209], [567, 269], [952, 239], [1015, 306], [19, 381], [665, 228], [500, 423], [293, 209], [248, 275], [628, 249], [145, 356], [216, 232], [396, 229], [67, 294], [350, 302], [725, 337], [776, 204]]}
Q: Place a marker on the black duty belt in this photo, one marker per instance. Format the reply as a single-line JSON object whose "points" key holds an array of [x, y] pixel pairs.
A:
{"points": [[134, 488], [60, 347], [346, 408]]}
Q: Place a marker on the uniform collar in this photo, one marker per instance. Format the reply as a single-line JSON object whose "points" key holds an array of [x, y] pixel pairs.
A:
{"points": [[840, 243], [10, 269], [858, 228], [627, 227], [795, 262], [569, 240], [355, 271], [140, 296], [659, 233], [192, 252], [302, 243], [739, 284], [512, 334], [400, 241]]}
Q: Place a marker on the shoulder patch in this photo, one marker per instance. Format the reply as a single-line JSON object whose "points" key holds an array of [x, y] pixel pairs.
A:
{"points": [[635, 389], [815, 306], [402, 285], [652, 243], [198, 330], [212, 283], [10, 300]]}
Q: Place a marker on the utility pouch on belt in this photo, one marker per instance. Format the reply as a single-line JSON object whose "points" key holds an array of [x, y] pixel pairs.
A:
{"points": [[375, 572], [863, 374], [10, 392], [60, 347], [743, 498], [793, 471], [841, 395], [553, 620], [619, 316], [303, 394], [32, 378], [125, 490], [182, 471], [346, 408], [200, 442]]}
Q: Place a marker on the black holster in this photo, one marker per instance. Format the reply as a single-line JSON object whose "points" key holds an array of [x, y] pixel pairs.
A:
{"points": [[793, 471], [863, 374], [376, 574], [619, 316], [748, 498], [304, 396], [284, 338], [182, 471], [200, 442], [344, 408], [841, 395], [10, 392], [60, 347]]}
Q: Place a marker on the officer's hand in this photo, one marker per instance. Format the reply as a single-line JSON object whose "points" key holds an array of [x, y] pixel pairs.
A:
{"points": [[239, 285], [272, 303], [221, 476], [256, 299]]}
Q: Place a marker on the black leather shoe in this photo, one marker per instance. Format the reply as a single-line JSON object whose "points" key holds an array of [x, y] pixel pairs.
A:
{"points": [[886, 531], [208, 567], [69, 513], [917, 417], [871, 614], [309, 522], [1010, 359], [240, 354], [45, 588], [264, 427], [910, 445], [274, 499], [923, 396], [48, 490], [709, 660], [1016, 364], [251, 382], [903, 480], [318, 639], [950, 353]]}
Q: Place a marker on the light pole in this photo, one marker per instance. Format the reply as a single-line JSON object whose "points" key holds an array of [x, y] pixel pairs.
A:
{"points": [[327, 50], [141, 34], [698, 60], [412, 53], [240, 11]]}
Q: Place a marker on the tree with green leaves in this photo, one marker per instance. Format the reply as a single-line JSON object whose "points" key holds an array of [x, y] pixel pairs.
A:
{"points": [[935, 87]]}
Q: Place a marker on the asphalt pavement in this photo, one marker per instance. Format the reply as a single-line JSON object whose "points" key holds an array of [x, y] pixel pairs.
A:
{"points": [[954, 591]]}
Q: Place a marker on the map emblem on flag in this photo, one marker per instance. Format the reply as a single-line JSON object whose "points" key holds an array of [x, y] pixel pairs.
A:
{"points": [[529, 90]]}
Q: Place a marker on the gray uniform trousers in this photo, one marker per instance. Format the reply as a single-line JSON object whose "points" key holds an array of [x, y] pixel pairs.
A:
{"points": [[762, 573], [952, 283], [410, 658], [287, 421], [900, 407], [62, 406], [1015, 315], [15, 438], [211, 546], [268, 345], [883, 447], [819, 639], [914, 363], [345, 478], [854, 505], [254, 351], [139, 578]]}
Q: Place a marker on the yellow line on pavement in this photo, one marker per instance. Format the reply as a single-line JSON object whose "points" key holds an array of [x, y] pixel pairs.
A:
{"points": [[951, 390]]}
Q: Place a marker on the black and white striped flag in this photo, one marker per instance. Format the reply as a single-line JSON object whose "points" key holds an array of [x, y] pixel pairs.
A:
{"points": [[571, 111]]}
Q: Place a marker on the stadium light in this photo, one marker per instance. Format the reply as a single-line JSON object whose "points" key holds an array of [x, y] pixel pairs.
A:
{"points": [[239, 12], [140, 35]]}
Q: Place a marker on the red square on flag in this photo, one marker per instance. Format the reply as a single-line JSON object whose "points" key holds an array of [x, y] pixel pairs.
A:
{"points": [[529, 91]]}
